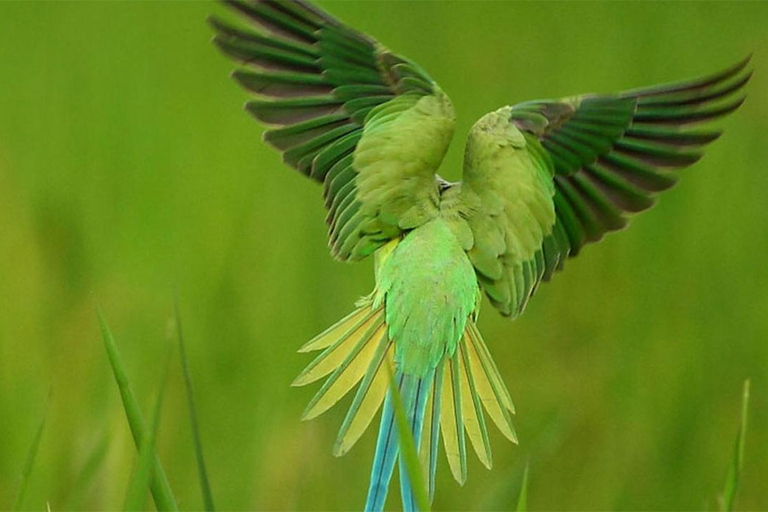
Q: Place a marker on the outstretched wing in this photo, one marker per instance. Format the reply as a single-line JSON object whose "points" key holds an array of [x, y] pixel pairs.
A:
{"points": [[608, 156], [371, 126]]}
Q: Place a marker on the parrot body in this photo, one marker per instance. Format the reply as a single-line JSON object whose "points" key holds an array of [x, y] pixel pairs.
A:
{"points": [[422, 315], [541, 179], [429, 292]]}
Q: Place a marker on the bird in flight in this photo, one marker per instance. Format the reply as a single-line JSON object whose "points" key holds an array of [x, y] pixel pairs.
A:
{"points": [[541, 179]]}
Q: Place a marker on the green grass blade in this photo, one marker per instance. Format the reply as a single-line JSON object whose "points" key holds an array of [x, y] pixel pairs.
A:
{"points": [[30, 462], [79, 490], [408, 447], [734, 472], [161, 489], [136, 496], [522, 500], [205, 486]]}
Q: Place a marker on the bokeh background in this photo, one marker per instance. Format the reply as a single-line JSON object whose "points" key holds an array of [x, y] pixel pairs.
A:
{"points": [[129, 173]]}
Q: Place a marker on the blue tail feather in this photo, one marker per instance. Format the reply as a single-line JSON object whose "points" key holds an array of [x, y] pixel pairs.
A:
{"points": [[416, 421], [414, 392], [384, 459]]}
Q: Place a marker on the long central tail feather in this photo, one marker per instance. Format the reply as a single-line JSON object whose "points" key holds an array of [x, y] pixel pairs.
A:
{"points": [[416, 413], [387, 447], [415, 393], [449, 401]]}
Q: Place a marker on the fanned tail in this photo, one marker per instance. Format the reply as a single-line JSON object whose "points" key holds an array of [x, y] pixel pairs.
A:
{"points": [[449, 401]]}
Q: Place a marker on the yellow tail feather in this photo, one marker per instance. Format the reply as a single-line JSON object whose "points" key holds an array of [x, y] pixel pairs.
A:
{"points": [[338, 349], [370, 402], [469, 379], [348, 373], [451, 424], [328, 337], [474, 423], [485, 389], [490, 367]]}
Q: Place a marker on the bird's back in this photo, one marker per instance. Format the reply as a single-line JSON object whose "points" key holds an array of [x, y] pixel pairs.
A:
{"points": [[429, 289]]}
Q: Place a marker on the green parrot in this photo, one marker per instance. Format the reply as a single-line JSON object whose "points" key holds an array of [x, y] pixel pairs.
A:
{"points": [[541, 179]]}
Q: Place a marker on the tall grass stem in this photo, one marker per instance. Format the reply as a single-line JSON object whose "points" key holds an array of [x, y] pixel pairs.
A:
{"points": [[205, 486], [733, 479], [161, 489], [30, 460], [136, 496], [522, 500]]}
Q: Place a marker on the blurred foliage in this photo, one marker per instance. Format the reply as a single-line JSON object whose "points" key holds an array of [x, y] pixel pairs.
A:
{"points": [[128, 171]]}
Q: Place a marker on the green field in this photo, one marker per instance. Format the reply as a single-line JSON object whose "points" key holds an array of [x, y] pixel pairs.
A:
{"points": [[129, 174]]}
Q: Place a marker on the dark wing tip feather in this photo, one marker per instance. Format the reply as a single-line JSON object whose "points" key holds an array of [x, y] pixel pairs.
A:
{"points": [[214, 22], [598, 196], [690, 85], [688, 116]]}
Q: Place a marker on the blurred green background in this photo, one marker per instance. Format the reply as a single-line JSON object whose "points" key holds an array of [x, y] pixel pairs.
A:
{"points": [[128, 172]]}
